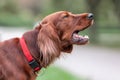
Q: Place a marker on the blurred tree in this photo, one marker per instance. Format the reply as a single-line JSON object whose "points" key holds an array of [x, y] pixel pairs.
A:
{"points": [[35, 7], [93, 8], [57, 3], [10, 6], [117, 7], [76, 7], [32, 6]]}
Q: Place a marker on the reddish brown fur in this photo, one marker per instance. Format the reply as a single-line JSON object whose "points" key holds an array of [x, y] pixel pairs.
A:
{"points": [[45, 42]]}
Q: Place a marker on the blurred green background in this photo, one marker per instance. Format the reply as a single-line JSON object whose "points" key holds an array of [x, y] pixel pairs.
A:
{"points": [[27, 12], [105, 32]]}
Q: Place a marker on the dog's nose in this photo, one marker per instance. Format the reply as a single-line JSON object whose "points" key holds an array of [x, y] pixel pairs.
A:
{"points": [[90, 16]]}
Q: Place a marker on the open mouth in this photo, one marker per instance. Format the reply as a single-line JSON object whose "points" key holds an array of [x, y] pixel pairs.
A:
{"points": [[79, 39]]}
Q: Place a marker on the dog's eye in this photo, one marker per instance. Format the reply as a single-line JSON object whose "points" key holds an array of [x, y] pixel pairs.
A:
{"points": [[65, 15]]}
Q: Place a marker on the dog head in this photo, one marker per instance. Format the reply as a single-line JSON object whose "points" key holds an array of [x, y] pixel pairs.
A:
{"points": [[59, 31]]}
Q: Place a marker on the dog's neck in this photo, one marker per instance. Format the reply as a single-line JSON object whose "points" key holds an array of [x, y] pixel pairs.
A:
{"points": [[30, 38], [44, 53]]}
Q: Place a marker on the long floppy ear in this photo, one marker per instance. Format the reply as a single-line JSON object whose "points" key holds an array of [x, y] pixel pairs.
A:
{"points": [[49, 43]]}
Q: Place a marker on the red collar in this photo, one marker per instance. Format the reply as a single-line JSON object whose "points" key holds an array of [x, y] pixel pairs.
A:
{"points": [[32, 62]]}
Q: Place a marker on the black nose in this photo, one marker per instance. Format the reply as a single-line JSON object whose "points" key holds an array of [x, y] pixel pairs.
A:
{"points": [[90, 16]]}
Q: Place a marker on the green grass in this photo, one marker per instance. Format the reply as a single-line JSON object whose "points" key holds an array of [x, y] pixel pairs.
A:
{"points": [[55, 73], [7, 19]]}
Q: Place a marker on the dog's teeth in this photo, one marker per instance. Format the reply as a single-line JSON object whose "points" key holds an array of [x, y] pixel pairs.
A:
{"points": [[76, 35], [86, 36]]}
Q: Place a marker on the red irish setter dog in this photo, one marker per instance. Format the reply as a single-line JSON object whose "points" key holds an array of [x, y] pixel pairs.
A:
{"points": [[21, 58]]}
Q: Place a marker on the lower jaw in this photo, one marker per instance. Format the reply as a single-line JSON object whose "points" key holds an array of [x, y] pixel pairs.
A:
{"points": [[81, 43], [79, 40]]}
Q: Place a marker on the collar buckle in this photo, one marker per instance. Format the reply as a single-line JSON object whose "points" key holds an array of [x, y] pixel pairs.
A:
{"points": [[34, 64]]}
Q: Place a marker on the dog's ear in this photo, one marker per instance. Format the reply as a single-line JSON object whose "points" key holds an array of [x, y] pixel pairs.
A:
{"points": [[49, 43], [37, 26]]}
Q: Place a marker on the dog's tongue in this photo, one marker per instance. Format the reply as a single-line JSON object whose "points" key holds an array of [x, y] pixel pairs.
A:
{"points": [[79, 39]]}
